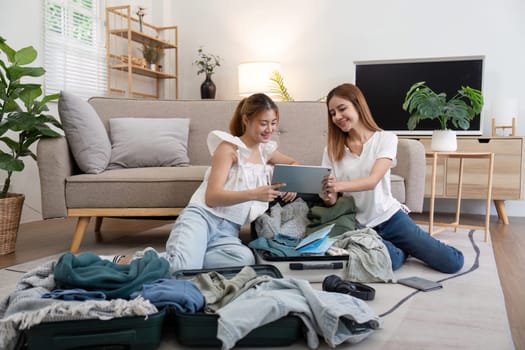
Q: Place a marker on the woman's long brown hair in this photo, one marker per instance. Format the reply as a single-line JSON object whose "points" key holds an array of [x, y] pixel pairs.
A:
{"points": [[250, 106], [336, 137]]}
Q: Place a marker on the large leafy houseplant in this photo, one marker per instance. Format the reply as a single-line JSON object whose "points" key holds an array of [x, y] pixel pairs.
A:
{"points": [[423, 103], [22, 114]]}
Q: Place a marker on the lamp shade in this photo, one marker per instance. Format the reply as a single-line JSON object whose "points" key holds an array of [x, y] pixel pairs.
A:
{"points": [[504, 110], [254, 77]]}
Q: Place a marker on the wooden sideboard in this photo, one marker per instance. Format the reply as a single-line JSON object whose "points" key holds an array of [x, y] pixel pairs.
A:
{"points": [[508, 181]]}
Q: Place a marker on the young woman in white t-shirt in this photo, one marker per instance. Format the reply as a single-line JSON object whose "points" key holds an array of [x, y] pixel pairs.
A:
{"points": [[235, 191], [361, 156]]}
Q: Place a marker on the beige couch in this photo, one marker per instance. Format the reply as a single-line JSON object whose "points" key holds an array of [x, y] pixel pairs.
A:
{"points": [[165, 191]]}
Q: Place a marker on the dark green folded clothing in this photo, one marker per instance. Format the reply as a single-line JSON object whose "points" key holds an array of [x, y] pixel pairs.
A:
{"points": [[341, 214], [90, 272]]}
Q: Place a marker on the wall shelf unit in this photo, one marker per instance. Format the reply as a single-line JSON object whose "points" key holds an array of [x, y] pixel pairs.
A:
{"points": [[127, 71]]}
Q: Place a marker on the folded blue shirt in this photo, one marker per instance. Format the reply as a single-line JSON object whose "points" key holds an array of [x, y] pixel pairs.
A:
{"points": [[76, 294], [184, 296]]}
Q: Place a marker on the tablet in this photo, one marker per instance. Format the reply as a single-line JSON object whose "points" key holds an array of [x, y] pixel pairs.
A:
{"points": [[300, 178], [420, 283]]}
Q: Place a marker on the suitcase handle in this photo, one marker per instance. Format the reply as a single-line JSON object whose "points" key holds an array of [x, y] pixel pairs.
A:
{"points": [[327, 266], [123, 338]]}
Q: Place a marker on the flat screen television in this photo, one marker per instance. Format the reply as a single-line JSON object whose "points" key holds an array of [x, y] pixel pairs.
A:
{"points": [[385, 84]]}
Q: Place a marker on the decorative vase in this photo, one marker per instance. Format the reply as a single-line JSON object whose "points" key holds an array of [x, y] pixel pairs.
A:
{"points": [[444, 141], [208, 88], [140, 23], [10, 214]]}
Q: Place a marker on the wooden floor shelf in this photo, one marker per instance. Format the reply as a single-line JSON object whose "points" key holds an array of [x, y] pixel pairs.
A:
{"points": [[129, 42]]}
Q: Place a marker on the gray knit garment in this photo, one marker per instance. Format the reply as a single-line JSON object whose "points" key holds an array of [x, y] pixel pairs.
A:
{"points": [[290, 220]]}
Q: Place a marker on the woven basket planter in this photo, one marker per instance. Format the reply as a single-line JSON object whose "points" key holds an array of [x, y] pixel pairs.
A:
{"points": [[10, 213]]}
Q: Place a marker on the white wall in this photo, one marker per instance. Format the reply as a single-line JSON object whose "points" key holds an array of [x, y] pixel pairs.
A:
{"points": [[317, 42]]}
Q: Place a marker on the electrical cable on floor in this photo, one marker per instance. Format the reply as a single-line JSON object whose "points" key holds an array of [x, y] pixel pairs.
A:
{"points": [[474, 267]]}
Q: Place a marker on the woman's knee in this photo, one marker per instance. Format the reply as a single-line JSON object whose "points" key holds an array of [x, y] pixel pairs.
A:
{"points": [[235, 255]]}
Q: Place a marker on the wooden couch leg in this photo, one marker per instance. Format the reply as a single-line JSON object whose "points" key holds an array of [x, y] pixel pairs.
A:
{"points": [[82, 223], [98, 225]]}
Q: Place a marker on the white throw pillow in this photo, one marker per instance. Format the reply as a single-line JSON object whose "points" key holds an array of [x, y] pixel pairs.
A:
{"points": [[85, 133], [148, 142]]}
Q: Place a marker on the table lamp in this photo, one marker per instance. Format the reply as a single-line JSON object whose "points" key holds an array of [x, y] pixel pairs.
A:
{"points": [[254, 77], [504, 116]]}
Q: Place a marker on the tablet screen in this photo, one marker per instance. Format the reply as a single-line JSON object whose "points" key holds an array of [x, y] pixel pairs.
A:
{"points": [[300, 178]]}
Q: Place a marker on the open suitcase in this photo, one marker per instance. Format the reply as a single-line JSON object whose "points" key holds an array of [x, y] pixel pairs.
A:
{"points": [[134, 333], [313, 268], [200, 329], [310, 268]]}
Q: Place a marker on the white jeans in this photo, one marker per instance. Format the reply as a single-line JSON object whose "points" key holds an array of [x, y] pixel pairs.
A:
{"points": [[200, 239]]}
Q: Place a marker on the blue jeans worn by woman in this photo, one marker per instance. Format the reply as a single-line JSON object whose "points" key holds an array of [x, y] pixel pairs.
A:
{"points": [[403, 237], [200, 239]]}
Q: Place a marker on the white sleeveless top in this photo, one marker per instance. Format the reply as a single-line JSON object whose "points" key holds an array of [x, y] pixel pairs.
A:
{"points": [[243, 175]]}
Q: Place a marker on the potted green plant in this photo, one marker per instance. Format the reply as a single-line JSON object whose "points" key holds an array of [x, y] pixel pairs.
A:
{"points": [[279, 88], [423, 103], [207, 63], [152, 54], [22, 123]]}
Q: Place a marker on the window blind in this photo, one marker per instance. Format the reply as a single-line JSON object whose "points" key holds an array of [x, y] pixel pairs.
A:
{"points": [[75, 56]]}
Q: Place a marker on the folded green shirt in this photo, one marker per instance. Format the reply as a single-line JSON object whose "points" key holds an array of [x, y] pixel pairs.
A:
{"points": [[342, 214], [90, 272]]}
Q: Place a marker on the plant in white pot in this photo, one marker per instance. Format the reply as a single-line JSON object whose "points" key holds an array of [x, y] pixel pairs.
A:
{"points": [[22, 123], [423, 103]]}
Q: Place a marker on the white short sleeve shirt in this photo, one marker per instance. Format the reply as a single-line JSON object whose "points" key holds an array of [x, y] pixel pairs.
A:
{"points": [[243, 175], [377, 205]]}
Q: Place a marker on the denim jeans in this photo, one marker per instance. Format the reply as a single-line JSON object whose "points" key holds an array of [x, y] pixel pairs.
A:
{"points": [[403, 237], [335, 317], [200, 239]]}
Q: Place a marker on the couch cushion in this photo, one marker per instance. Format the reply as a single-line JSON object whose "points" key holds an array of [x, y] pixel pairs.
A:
{"points": [[154, 187], [148, 142], [85, 133]]}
